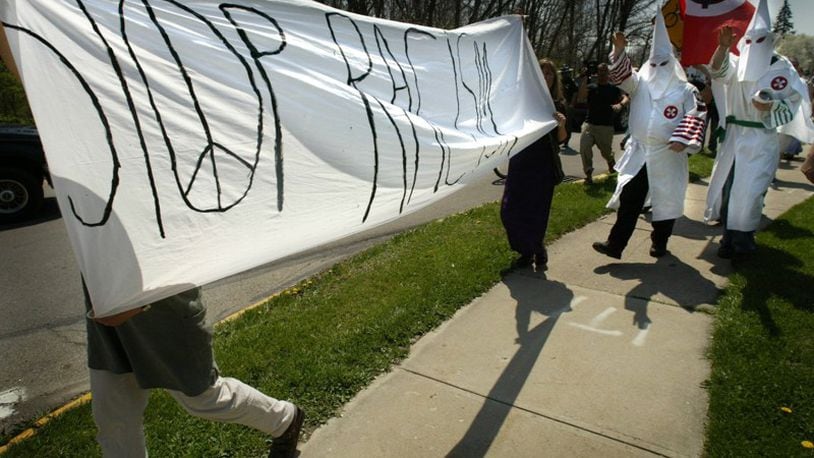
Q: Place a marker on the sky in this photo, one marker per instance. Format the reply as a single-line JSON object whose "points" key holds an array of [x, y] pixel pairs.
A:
{"points": [[802, 14]]}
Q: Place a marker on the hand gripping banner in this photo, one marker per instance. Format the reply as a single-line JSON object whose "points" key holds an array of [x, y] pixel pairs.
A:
{"points": [[192, 140]]}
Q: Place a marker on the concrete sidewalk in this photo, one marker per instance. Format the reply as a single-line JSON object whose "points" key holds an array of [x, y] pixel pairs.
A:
{"points": [[595, 357]]}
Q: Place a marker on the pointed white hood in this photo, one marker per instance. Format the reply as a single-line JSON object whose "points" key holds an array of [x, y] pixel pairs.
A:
{"points": [[757, 45], [662, 70]]}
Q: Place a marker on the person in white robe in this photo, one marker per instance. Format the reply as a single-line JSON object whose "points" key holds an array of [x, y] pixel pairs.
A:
{"points": [[803, 122], [666, 123], [756, 93], [801, 129]]}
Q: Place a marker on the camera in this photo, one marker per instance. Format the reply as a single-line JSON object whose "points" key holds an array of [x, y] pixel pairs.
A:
{"points": [[592, 67]]}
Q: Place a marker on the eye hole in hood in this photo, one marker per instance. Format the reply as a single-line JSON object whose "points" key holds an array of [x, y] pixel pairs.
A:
{"points": [[749, 41]]}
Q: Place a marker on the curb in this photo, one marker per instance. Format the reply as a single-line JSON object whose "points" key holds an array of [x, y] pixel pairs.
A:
{"points": [[85, 398], [30, 432]]}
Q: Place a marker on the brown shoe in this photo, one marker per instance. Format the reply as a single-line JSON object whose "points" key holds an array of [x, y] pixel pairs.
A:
{"points": [[285, 446]]}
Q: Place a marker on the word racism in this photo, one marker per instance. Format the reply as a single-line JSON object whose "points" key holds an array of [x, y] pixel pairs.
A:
{"points": [[189, 141]]}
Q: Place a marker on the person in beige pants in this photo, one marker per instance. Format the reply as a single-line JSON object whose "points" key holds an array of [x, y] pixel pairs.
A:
{"points": [[604, 100], [167, 345]]}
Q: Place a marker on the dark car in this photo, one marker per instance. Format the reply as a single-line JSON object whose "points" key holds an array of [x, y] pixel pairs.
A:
{"points": [[22, 171]]}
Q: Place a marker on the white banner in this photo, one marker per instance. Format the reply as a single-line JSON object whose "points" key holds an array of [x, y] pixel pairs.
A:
{"points": [[191, 140]]}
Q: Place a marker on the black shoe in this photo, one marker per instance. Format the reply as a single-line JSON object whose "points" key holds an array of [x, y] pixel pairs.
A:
{"points": [[725, 252], [541, 262], [589, 180], [742, 255], [611, 166], [285, 446], [523, 261], [657, 251], [607, 250]]}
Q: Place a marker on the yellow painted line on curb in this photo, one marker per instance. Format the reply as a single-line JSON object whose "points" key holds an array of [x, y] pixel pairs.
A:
{"points": [[85, 398], [30, 432], [240, 312]]}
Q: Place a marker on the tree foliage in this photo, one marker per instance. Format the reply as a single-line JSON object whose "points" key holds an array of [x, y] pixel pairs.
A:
{"points": [[783, 25], [570, 32], [566, 31], [13, 104], [800, 47]]}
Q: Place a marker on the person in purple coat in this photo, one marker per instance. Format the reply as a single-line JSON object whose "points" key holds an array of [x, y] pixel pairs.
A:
{"points": [[529, 189]]}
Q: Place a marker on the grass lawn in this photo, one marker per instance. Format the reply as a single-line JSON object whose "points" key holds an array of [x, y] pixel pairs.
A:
{"points": [[763, 347], [326, 339], [701, 164]]}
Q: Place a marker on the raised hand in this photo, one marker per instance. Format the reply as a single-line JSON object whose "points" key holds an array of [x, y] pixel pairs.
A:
{"points": [[726, 37], [619, 42]]}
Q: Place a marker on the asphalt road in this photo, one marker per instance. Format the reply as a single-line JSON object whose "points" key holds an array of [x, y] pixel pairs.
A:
{"points": [[42, 332]]}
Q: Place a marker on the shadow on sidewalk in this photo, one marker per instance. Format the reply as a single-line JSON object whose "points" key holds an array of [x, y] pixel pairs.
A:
{"points": [[668, 277], [783, 184], [548, 298]]}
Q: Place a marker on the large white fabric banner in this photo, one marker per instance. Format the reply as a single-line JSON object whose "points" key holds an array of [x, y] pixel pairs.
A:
{"points": [[193, 139]]}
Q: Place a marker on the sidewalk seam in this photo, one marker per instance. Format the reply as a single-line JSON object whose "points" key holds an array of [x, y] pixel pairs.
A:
{"points": [[539, 414]]}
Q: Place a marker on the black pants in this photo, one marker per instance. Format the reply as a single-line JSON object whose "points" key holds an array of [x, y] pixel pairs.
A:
{"points": [[631, 202], [712, 127]]}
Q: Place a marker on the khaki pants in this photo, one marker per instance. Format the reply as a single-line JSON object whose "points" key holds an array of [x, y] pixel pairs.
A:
{"points": [[118, 410], [601, 136]]}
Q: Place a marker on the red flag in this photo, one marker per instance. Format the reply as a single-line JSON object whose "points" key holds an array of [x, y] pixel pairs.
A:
{"points": [[703, 18]]}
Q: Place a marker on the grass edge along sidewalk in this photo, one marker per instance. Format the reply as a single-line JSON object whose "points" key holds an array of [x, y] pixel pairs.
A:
{"points": [[564, 219], [762, 350], [324, 340]]}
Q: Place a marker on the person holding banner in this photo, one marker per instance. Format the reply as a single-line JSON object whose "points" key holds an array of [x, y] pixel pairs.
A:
{"points": [[167, 345], [761, 94], [666, 123], [529, 189]]}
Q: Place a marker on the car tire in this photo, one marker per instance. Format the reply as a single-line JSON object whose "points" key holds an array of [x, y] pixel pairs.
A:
{"points": [[20, 194]]}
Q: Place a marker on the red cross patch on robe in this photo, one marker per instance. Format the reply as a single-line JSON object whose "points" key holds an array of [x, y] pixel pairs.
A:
{"points": [[779, 83]]}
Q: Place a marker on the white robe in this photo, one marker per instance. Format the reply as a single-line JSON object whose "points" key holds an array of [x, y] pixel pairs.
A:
{"points": [[752, 151], [677, 116], [802, 126]]}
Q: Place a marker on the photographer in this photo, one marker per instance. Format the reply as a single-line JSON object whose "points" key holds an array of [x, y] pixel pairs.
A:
{"points": [[603, 100]]}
